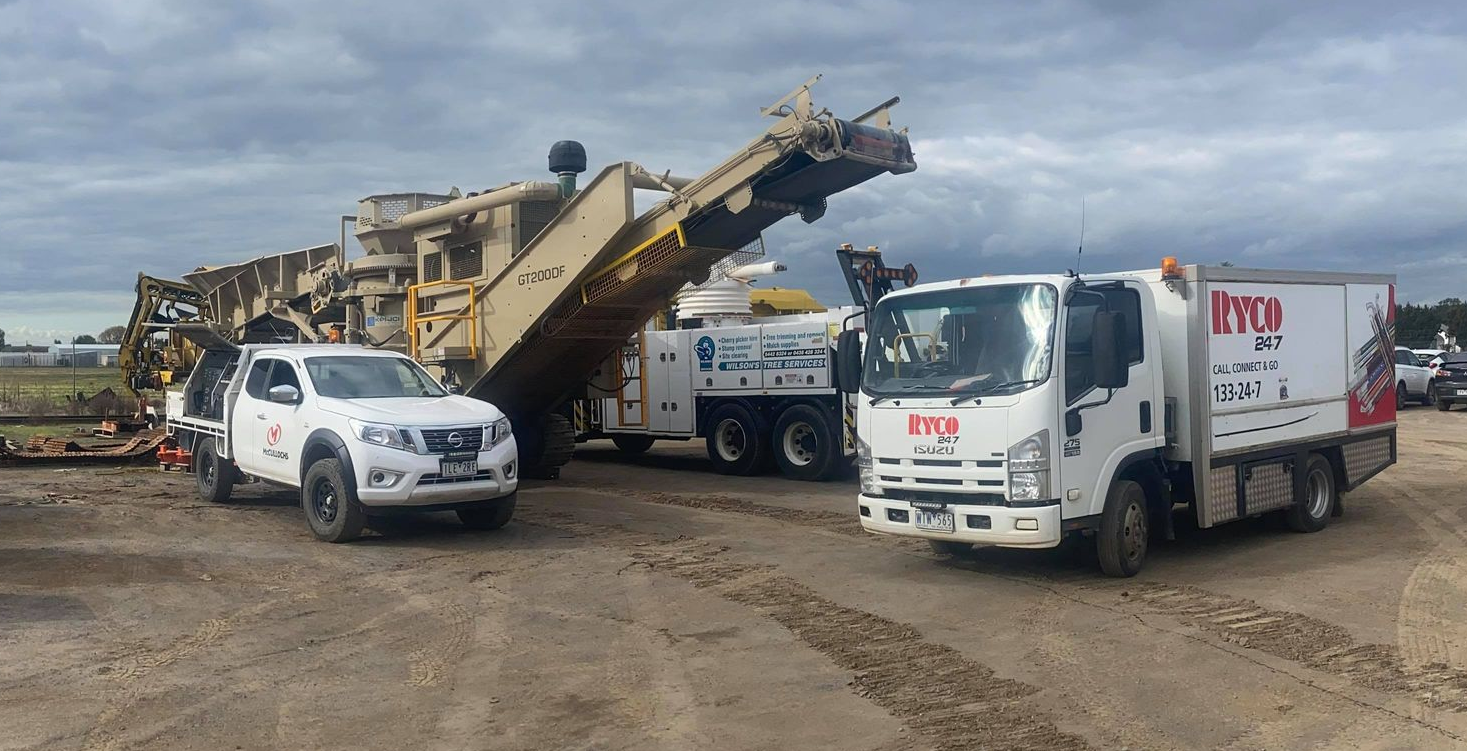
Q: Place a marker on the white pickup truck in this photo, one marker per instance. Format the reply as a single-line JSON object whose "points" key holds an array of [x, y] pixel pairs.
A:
{"points": [[358, 431]]}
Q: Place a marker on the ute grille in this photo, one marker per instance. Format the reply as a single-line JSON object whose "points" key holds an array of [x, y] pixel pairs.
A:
{"points": [[438, 441]]}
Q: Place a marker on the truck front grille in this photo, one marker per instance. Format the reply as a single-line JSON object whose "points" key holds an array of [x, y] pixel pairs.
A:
{"points": [[454, 440]]}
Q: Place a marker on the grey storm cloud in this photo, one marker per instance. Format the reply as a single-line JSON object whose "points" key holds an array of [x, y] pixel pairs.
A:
{"points": [[161, 136]]}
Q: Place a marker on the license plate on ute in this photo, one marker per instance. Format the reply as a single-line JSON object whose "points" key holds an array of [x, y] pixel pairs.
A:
{"points": [[933, 521], [458, 467]]}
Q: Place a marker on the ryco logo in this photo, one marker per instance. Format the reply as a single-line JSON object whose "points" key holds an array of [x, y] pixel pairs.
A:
{"points": [[272, 436], [1245, 314], [924, 425]]}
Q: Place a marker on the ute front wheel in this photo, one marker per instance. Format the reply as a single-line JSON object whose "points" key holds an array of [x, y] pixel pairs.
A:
{"points": [[332, 511]]}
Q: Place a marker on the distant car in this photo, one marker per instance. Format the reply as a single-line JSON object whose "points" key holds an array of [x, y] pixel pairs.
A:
{"points": [[1413, 381], [1450, 380], [1426, 356]]}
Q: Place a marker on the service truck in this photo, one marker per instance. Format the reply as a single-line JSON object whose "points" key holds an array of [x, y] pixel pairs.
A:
{"points": [[358, 431], [1017, 410], [758, 394]]}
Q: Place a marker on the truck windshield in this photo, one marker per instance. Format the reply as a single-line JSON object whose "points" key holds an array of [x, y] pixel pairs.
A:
{"points": [[987, 339], [348, 377]]}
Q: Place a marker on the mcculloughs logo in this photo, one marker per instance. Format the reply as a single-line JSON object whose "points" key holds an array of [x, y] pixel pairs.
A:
{"points": [[1246, 314], [924, 425]]}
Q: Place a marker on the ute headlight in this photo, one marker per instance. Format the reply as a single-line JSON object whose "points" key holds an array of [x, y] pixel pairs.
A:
{"points": [[496, 433], [389, 436], [1029, 468], [865, 468]]}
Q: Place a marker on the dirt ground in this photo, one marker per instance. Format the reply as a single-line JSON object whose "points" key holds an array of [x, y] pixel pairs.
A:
{"points": [[654, 605]]}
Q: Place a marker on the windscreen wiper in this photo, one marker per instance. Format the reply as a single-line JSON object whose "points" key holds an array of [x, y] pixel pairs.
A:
{"points": [[990, 389]]}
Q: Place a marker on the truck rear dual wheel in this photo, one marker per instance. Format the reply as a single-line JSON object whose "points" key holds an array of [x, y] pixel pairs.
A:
{"points": [[804, 445], [1320, 496], [215, 475], [738, 441], [489, 514], [331, 507]]}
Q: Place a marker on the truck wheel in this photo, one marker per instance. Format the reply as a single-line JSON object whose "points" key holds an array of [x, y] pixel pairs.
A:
{"points": [[545, 445], [1124, 530], [1313, 513], [948, 547], [803, 445], [331, 511], [216, 476], [1442, 405], [738, 443], [1429, 398], [489, 514], [629, 443], [1400, 396]]}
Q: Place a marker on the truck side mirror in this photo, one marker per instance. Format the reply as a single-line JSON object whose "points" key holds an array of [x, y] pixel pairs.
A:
{"points": [[1108, 346], [1074, 423], [284, 394], [848, 361]]}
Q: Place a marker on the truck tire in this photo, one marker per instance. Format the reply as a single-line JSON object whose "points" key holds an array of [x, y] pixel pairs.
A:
{"points": [[738, 441], [630, 443], [332, 511], [216, 476], [1320, 496], [489, 514], [804, 446], [1124, 530], [546, 446], [1442, 405]]}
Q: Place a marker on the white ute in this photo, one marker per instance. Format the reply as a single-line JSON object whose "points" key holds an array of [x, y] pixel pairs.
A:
{"points": [[358, 431], [1017, 410]]}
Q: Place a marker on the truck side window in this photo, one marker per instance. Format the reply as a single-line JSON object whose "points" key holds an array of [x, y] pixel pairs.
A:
{"points": [[283, 374], [1079, 373], [255, 382]]}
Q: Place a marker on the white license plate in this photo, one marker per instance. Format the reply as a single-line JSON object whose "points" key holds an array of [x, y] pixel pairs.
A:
{"points": [[933, 521], [1461, 392], [466, 468]]}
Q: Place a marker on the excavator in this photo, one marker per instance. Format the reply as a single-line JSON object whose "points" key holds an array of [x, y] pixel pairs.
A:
{"points": [[150, 361], [519, 294]]}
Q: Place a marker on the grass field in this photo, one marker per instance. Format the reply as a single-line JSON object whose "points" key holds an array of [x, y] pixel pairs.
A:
{"points": [[20, 433], [30, 390]]}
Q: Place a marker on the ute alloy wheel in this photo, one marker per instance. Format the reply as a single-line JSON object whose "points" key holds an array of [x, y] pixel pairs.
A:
{"points": [[1400, 396]]}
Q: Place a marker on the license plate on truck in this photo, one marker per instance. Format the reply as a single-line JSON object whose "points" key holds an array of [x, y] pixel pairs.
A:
{"points": [[933, 521], [458, 466]]}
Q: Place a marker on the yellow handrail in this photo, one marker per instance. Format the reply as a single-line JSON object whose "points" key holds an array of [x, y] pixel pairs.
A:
{"points": [[415, 318]]}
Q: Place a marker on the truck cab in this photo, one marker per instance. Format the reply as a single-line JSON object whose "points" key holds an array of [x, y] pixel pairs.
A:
{"points": [[358, 431]]}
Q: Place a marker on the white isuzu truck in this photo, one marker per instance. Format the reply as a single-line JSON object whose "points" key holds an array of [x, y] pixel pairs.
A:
{"points": [[1017, 410], [359, 431]]}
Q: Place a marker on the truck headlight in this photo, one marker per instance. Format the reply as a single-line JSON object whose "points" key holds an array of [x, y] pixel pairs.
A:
{"points": [[865, 468], [389, 436], [497, 433], [1029, 468]]}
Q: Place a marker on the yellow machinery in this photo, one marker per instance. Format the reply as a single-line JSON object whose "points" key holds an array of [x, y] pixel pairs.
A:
{"points": [[151, 355]]}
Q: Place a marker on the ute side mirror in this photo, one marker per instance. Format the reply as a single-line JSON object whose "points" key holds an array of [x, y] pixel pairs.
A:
{"points": [[284, 394], [1108, 346], [848, 361]]}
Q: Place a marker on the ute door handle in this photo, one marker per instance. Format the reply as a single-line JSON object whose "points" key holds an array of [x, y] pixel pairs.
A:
{"points": [[262, 416]]}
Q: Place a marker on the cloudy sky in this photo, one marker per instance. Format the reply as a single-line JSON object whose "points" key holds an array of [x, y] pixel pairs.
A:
{"points": [[159, 136]]}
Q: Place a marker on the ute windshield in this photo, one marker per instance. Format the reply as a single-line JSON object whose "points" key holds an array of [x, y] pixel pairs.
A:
{"points": [[972, 340], [358, 377]]}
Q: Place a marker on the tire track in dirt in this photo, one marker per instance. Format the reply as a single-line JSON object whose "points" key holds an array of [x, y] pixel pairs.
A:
{"points": [[1305, 640], [453, 628], [954, 701], [136, 666]]}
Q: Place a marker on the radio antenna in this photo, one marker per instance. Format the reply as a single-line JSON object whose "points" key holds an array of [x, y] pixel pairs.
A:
{"points": [[1081, 249]]}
